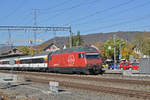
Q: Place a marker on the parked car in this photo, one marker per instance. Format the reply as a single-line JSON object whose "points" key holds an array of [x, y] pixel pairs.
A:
{"points": [[134, 66], [124, 66], [111, 66], [129, 66]]}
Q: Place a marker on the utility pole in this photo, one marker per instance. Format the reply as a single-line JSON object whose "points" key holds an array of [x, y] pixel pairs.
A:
{"points": [[11, 62], [55, 37], [35, 24], [9, 41], [70, 39], [9, 37], [114, 38]]}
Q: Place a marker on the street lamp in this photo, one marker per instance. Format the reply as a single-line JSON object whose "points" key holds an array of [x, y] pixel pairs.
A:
{"points": [[109, 47]]}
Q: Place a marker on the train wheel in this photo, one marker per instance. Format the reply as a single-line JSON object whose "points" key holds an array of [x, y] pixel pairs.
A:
{"points": [[87, 72], [96, 72]]}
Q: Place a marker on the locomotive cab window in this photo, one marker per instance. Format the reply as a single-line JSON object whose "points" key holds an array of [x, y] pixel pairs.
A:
{"points": [[92, 55], [81, 55]]}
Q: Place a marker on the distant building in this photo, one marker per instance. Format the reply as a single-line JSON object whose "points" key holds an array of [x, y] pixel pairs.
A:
{"points": [[13, 51], [141, 55], [137, 51], [48, 47], [51, 47], [95, 48]]}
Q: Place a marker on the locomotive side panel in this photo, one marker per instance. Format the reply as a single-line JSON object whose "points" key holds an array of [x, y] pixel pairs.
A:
{"points": [[66, 60], [82, 62]]}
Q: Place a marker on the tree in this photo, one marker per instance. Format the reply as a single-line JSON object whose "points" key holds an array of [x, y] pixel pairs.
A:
{"points": [[108, 48], [142, 43], [25, 49], [28, 50], [77, 40], [128, 50]]}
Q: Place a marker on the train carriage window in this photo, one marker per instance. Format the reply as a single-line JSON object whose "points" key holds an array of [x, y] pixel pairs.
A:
{"points": [[38, 60], [5, 62], [26, 61], [29, 61]]}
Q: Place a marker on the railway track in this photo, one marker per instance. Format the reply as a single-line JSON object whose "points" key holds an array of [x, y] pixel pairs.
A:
{"points": [[100, 89], [44, 78], [86, 77], [98, 79]]}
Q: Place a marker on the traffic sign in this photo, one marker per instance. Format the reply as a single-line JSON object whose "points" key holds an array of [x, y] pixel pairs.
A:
{"points": [[131, 58]]}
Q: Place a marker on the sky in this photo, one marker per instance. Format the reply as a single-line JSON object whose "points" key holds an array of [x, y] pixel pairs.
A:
{"points": [[86, 16]]}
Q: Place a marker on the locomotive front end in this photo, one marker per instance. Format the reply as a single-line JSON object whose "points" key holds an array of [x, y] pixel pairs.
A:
{"points": [[93, 62]]}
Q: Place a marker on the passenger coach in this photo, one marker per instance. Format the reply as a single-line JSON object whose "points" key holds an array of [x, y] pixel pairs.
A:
{"points": [[32, 63]]}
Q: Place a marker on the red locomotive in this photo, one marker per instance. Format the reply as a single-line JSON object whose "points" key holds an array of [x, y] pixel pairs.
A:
{"points": [[85, 60]]}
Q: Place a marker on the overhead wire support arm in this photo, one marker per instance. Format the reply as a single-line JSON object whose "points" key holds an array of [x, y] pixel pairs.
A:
{"points": [[34, 28], [38, 28]]}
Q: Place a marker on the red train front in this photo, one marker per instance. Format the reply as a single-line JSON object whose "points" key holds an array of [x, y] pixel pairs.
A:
{"points": [[85, 60]]}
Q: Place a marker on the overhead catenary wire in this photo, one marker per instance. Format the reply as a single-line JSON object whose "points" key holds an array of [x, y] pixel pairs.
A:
{"points": [[25, 17], [29, 22], [138, 26], [76, 6], [61, 11], [101, 11], [56, 6], [120, 23], [64, 10], [15, 10], [113, 14], [90, 5], [71, 7]]}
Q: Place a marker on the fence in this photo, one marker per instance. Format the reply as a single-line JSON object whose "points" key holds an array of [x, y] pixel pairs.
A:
{"points": [[144, 66]]}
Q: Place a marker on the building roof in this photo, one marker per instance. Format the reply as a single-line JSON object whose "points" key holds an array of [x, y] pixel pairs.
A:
{"points": [[75, 49]]}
